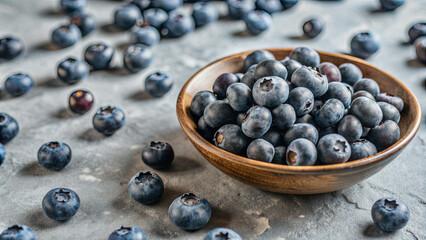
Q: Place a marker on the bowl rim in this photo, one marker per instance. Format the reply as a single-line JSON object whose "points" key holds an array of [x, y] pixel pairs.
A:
{"points": [[197, 139]]}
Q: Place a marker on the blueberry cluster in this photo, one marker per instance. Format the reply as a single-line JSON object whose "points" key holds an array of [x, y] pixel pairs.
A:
{"points": [[298, 111]]}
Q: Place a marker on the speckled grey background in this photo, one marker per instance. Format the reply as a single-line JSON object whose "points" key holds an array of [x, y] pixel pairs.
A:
{"points": [[101, 167]]}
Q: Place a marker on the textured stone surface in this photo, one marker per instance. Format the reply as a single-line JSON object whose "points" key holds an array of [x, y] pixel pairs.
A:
{"points": [[101, 167]]}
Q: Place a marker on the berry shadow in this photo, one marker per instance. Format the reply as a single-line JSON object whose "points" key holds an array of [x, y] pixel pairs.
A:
{"points": [[219, 218], [242, 34], [299, 37], [424, 83], [4, 95], [47, 46], [376, 11], [35, 169], [118, 71], [91, 135], [414, 63], [38, 220], [140, 96], [110, 28], [122, 46], [405, 43], [183, 164], [50, 82], [52, 12], [64, 113], [373, 231]]}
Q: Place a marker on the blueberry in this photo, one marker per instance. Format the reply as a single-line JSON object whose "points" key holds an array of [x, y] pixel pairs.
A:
{"points": [[330, 113], [205, 130], [416, 31], [190, 212], [18, 84], [230, 138], [269, 68], [270, 91], [158, 155], [85, 22], [365, 131], [389, 112], [10, 47], [331, 71], [239, 96], [397, 102], [99, 56], [283, 116], [350, 73], [261, 150], [60, 204], [390, 5], [222, 83], [338, 91], [367, 111], [127, 16], [273, 136], [146, 187], [256, 122], [288, 3], [420, 46], [239, 8], [302, 100], [155, 17], [71, 71], [249, 79], [384, 135], [240, 118], [200, 102], [306, 56], [2, 154], [291, 66], [311, 79], [256, 57], [142, 4], [269, 6], [222, 233], [178, 25], [257, 21], [313, 27], [147, 35], [326, 131], [158, 84], [317, 106], [362, 148], [81, 101], [364, 44], [301, 152], [108, 120], [8, 128], [307, 118], [367, 84], [350, 127], [66, 35], [333, 148], [54, 155], [239, 76], [72, 6], [390, 214], [362, 93], [127, 233], [280, 155], [204, 13], [218, 113], [18, 232], [137, 57], [167, 5], [301, 130]]}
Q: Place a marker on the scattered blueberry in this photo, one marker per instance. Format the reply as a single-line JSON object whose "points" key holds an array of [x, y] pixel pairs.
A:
{"points": [[230, 138], [291, 65], [18, 84], [200, 102], [8, 128], [61, 204], [270, 91], [367, 84], [155, 17], [333, 148], [350, 73], [127, 233], [66, 35], [364, 44], [72, 6], [301, 130], [204, 13], [283, 116], [85, 22], [313, 27], [261, 150], [108, 120], [54, 155], [190, 212], [222, 83], [302, 100], [239, 96], [257, 21], [306, 56], [301, 152], [158, 155], [218, 113], [390, 214], [416, 31], [311, 79], [239, 8], [362, 148], [147, 35], [146, 187], [10, 47], [256, 122], [178, 25], [330, 113], [350, 127], [390, 5], [158, 84], [280, 155], [389, 112], [127, 16], [256, 57], [137, 57], [99, 56], [222, 233], [384, 135], [367, 111], [71, 71], [331, 71], [81, 101], [269, 6], [18, 232]]}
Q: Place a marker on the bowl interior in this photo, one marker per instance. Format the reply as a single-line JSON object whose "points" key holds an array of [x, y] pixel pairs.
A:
{"points": [[204, 79]]}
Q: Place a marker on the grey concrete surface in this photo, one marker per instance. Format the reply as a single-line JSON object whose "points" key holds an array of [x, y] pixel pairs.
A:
{"points": [[101, 167]]}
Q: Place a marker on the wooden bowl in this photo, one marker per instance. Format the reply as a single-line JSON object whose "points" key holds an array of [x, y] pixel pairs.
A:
{"points": [[296, 179]]}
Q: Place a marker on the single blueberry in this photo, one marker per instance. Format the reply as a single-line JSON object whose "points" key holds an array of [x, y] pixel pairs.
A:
{"points": [[218, 113], [222, 233], [350, 127], [280, 155], [391, 99], [99, 56], [72, 6], [155, 17], [283, 116], [365, 131], [137, 57], [108, 120], [291, 65], [158, 84], [240, 118], [367, 84], [127, 233], [126, 17], [273, 136], [2, 154], [269, 6], [71, 71], [178, 25], [147, 35], [222, 83], [333, 148], [326, 131], [331, 71], [66, 35], [205, 130], [288, 3], [239, 96], [311, 79], [364, 44], [350, 73], [307, 118], [362, 93], [142, 4], [230, 138], [270, 67], [338, 91], [306, 56], [330, 113], [85, 22], [237, 9], [390, 214], [257, 21], [10, 47], [18, 84], [249, 79], [420, 46], [367, 111], [167, 5], [391, 5], [200, 102], [18, 232], [313, 27], [8, 128], [384, 135], [54, 155], [317, 106], [389, 112], [60, 204], [256, 57], [158, 155], [270, 91], [416, 31], [204, 13], [261, 150], [190, 212], [146, 187], [301, 130], [362, 148], [301, 152], [256, 122], [302, 100], [81, 101]]}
